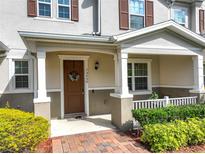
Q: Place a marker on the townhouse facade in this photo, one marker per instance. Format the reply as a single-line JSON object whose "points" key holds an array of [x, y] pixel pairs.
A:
{"points": [[62, 57]]}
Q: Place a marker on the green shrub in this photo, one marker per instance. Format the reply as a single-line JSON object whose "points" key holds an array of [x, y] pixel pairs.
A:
{"points": [[154, 95], [172, 136], [21, 131], [168, 114]]}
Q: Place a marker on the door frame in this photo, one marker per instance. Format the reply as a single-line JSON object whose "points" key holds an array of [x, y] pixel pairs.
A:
{"points": [[86, 91]]}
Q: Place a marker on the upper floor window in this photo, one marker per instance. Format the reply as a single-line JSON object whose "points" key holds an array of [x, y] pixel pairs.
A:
{"points": [[180, 15], [64, 9], [44, 8], [137, 13]]}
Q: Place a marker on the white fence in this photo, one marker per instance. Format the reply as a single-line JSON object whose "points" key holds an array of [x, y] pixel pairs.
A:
{"points": [[159, 103]]}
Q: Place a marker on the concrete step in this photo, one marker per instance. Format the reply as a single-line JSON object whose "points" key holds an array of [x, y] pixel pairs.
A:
{"points": [[75, 115]]}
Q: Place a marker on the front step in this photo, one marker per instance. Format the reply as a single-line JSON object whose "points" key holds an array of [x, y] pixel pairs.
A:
{"points": [[75, 115]]}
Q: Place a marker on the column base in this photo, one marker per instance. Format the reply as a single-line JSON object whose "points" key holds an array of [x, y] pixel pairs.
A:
{"points": [[121, 111], [118, 95], [200, 95], [42, 107]]}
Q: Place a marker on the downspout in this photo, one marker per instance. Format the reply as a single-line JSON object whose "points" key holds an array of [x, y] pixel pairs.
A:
{"points": [[98, 33]]}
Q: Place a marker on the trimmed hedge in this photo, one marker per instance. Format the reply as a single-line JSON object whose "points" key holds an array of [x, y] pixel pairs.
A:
{"points": [[21, 131], [172, 136], [168, 114]]}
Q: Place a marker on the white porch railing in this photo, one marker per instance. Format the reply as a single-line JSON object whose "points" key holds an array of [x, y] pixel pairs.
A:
{"points": [[159, 103]]}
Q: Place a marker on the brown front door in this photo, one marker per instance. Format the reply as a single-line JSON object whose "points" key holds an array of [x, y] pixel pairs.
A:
{"points": [[73, 86]]}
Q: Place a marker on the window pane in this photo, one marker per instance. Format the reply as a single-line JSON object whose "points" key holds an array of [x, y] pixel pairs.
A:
{"points": [[180, 15], [136, 22], [63, 12], [48, 1], [44, 9], [204, 68], [141, 83], [129, 68], [137, 7], [18, 67], [130, 83], [65, 2], [140, 69], [21, 81], [21, 67]]}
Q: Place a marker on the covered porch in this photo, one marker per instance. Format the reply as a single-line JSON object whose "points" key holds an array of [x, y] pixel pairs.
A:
{"points": [[165, 58]]}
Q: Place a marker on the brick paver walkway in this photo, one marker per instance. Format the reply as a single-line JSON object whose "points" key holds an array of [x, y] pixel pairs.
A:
{"points": [[99, 142]]}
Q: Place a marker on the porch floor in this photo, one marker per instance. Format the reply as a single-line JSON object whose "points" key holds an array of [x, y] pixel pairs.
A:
{"points": [[70, 126]]}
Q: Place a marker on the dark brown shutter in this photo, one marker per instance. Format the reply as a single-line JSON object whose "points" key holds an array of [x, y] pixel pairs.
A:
{"points": [[149, 13], [201, 21], [124, 14], [32, 11], [74, 10]]}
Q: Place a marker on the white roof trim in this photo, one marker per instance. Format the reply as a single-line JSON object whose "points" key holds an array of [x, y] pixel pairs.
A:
{"points": [[41, 35], [171, 25]]}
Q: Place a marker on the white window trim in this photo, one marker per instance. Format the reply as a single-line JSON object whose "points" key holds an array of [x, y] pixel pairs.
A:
{"points": [[187, 16], [86, 95], [149, 76], [135, 15], [13, 88], [69, 6], [51, 4]]}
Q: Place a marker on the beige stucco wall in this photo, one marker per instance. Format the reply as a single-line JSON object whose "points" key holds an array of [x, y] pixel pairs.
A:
{"points": [[103, 77], [170, 70], [176, 70]]}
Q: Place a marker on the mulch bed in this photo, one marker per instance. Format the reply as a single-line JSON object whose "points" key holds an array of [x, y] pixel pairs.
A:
{"points": [[45, 147], [192, 149]]}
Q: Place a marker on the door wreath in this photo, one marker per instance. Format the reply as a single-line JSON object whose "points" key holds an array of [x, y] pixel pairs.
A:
{"points": [[73, 76]]}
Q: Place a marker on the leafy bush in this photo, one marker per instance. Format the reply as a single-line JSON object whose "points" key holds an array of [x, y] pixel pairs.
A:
{"points": [[168, 114], [21, 131], [172, 136], [154, 96]]}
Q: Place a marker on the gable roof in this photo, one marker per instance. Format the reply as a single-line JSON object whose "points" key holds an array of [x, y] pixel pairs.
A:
{"points": [[170, 25]]}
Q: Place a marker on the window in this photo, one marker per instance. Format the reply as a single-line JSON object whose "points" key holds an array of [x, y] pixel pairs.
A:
{"points": [[137, 13], [64, 9], [180, 15], [21, 74], [44, 8], [138, 75]]}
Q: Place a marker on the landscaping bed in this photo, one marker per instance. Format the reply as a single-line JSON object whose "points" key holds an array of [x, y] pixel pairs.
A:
{"points": [[180, 129], [21, 131]]}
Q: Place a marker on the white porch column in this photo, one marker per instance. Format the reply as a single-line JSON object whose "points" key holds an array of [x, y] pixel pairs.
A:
{"points": [[117, 87], [122, 100], [198, 74], [123, 73], [121, 80], [42, 102]]}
